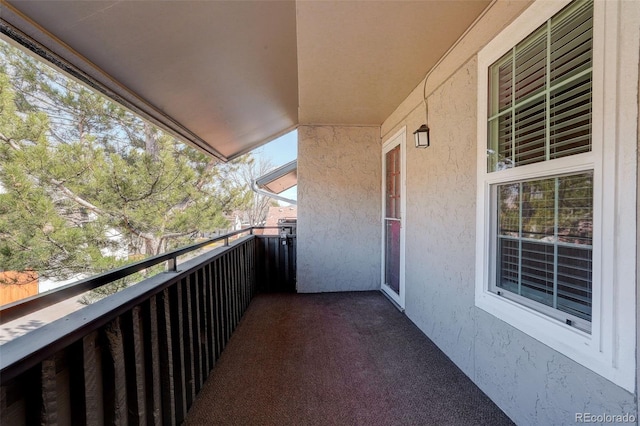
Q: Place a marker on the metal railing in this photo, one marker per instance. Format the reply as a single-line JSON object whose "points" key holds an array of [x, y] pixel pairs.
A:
{"points": [[141, 355], [31, 304]]}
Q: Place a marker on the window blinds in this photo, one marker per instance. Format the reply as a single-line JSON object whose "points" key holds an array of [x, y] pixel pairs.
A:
{"points": [[545, 232], [540, 93]]}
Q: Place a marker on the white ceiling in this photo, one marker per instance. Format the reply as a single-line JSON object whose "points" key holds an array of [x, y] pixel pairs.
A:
{"points": [[230, 75]]}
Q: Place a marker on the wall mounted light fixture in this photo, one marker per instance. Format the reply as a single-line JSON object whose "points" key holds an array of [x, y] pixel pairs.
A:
{"points": [[421, 135]]}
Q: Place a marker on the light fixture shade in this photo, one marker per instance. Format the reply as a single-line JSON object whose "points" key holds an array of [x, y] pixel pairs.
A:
{"points": [[422, 136]]}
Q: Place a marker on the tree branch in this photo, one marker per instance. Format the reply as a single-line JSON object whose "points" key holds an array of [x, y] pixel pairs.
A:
{"points": [[136, 231], [205, 174], [10, 141], [70, 194], [178, 234]]}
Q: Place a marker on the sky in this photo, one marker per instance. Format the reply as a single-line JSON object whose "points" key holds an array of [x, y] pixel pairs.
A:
{"points": [[281, 151]]}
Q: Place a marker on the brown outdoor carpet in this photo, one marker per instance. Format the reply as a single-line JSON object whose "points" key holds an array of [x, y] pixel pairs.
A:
{"points": [[336, 359]]}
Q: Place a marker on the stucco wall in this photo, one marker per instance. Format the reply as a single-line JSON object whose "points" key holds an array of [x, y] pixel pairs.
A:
{"points": [[532, 383], [339, 202], [440, 255]]}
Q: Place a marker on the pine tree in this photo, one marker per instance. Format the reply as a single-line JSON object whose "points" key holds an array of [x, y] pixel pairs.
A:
{"points": [[80, 177]]}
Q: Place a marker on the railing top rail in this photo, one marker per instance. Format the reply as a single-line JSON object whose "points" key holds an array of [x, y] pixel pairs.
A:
{"points": [[31, 304], [25, 351]]}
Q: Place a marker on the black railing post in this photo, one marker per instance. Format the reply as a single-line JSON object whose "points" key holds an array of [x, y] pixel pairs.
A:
{"points": [[172, 264]]}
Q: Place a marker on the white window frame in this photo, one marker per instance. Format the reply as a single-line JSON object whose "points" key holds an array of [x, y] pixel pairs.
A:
{"points": [[609, 350]]}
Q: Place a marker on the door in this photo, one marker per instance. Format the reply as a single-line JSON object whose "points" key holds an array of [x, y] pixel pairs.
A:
{"points": [[393, 203]]}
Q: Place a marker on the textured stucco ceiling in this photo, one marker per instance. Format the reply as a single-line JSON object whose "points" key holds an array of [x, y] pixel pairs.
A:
{"points": [[235, 74]]}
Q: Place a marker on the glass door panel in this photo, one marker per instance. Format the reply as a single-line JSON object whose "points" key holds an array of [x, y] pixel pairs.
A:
{"points": [[392, 255], [392, 220]]}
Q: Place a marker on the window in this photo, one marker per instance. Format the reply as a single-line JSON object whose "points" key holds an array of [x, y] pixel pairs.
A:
{"points": [[540, 93], [539, 110], [544, 245], [546, 229]]}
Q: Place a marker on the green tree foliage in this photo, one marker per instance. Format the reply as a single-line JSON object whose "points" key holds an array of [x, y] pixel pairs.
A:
{"points": [[255, 206], [81, 177]]}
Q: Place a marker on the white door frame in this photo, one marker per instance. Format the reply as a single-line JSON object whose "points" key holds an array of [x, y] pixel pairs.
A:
{"points": [[398, 138]]}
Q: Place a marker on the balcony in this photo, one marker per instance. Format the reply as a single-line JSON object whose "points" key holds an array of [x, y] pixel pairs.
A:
{"points": [[160, 352], [355, 79]]}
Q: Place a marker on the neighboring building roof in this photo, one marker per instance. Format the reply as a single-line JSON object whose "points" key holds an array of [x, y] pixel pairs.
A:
{"points": [[277, 180], [279, 212]]}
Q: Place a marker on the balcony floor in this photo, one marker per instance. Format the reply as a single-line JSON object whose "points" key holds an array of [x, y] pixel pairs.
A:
{"points": [[336, 359]]}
